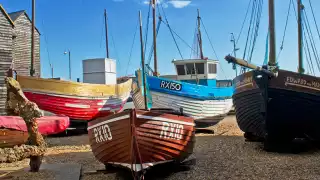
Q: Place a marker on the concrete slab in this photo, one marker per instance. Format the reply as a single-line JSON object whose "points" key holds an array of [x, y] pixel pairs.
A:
{"points": [[63, 171]]}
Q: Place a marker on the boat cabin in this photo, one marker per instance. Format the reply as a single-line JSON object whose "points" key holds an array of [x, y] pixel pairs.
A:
{"points": [[199, 71]]}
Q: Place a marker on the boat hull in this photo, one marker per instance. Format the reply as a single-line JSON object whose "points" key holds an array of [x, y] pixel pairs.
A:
{"points": [[278, 108], [199, 102], [47, 125], [138, 139], [79, 101], [205, 112], [10, 138]]}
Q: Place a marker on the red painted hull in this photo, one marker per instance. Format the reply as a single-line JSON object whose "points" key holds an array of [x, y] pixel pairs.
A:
{"points": [[76, 107], [138, 139], [47, 125]]}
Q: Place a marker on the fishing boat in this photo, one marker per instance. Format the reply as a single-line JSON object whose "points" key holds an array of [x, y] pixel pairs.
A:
{"points": [[273, 104], [141, 138], [195, 88], [13, 129], [79, 101]]}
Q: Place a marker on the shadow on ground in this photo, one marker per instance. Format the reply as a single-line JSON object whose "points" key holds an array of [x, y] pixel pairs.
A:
{"points": [[217, 157]]}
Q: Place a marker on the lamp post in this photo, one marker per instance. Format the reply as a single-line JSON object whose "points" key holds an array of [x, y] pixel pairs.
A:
{"points": [[68, 52]]}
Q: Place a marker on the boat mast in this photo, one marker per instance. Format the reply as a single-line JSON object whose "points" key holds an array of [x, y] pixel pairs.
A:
{"points": [[155, 73], [199, 36], [143, 65], [272, 52], [106, 24], [300, 45], [32, 71]]}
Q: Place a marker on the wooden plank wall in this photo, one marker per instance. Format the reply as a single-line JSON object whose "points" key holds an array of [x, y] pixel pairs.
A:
{"points": [[22, 47], [5, 57]]}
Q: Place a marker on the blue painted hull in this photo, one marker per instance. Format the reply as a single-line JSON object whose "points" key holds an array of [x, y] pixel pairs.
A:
{"points": [[207, 105]]}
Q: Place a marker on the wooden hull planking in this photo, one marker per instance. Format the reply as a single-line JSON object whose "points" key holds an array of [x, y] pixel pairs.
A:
{"points": [[139, 139], [283, 107], [80, 101], [10, 138]]}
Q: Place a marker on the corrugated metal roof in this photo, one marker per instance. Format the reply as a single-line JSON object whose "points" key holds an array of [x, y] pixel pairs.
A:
{"points": [[14, 15]]}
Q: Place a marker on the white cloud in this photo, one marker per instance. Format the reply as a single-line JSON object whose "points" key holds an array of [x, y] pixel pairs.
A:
{"points": [[174, 3], [179, 3]]}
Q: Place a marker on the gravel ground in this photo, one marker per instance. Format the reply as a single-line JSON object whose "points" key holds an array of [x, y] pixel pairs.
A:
{"points": [[223, 155]]}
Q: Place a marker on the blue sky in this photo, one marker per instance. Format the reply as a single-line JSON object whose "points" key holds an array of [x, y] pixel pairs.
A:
{"points": [[78, 25]]}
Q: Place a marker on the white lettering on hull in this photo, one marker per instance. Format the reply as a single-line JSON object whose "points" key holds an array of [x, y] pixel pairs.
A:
{"points": [[295, 81], [102, 133], [171, 131]]}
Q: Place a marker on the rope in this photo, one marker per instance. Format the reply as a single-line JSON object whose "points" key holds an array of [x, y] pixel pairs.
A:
{"points": [[285, 30], [134, 37]]}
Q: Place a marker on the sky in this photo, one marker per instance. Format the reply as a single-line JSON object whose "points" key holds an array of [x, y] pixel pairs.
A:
{"points": [[78, 25]]}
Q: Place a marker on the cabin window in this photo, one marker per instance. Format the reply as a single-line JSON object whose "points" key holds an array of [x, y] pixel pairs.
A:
{"points": [[200, 68], [190, 68], [212, 68], [180, 70]]}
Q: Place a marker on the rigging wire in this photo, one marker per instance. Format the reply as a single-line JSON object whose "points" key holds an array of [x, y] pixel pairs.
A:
{"points": [[245, 49], [295, 12], [252, 36], [285, 30], [47, 48], [312, 43], [147, 28], [179, 36], [174, 39], [259, 13], [115, 49], [308, 56], [314, 19], [214, 51], [134, 37], [245, 19]]}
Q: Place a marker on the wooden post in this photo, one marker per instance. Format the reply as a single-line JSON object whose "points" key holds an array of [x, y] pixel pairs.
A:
{"points": [[143, 65], [300, 45], [272, 52], [106, 25], [32, 71], [154, 39]]}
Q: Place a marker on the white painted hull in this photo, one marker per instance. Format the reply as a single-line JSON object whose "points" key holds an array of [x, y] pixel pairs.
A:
{"points": [[207, 112]]}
